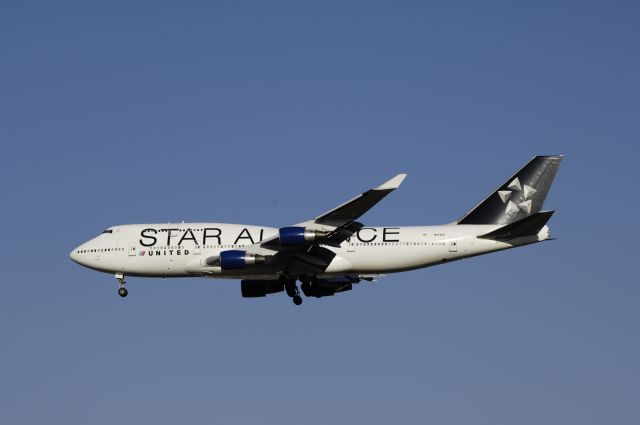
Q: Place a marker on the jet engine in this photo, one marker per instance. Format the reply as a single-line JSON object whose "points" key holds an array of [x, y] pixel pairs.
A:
{"points": [[325, 287], [236, 259], [295, 235], [260, 288]]}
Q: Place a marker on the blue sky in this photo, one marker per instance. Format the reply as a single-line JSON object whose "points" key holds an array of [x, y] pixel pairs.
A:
{"points": [[270, 113]]}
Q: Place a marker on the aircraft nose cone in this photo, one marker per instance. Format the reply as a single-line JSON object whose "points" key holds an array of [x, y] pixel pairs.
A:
{"points": [[74, 256]]}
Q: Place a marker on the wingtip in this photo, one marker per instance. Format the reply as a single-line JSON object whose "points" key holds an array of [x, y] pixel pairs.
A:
{"points": [[393, 183], [560, 157]]}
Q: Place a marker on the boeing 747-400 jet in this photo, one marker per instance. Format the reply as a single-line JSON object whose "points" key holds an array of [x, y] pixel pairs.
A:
{"points": [[331, 252]]}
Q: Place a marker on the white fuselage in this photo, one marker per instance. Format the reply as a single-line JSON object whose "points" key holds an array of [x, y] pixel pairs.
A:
{"points": [[181, 250]]}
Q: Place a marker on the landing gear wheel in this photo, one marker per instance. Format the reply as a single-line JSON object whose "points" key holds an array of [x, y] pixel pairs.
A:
{"points": [[297, 299], [123, 292]]}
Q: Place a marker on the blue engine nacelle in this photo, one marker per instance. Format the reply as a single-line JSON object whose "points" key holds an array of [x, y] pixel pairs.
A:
{"points": [[234, 259], [295, 235]]}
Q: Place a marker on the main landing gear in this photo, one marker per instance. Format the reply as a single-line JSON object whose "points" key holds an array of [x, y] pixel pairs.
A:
{"points": [[122, 291], [292, 290]]}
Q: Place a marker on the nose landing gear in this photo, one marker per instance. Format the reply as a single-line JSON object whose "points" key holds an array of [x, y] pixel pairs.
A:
{"points": [[122, 291]]}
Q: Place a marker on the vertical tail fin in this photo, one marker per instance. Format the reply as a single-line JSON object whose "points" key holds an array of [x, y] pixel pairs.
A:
{"points": [[521, 196]]}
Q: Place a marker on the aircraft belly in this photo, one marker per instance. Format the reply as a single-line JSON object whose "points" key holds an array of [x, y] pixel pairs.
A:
{"points": [[388, 259], [165, 266]]}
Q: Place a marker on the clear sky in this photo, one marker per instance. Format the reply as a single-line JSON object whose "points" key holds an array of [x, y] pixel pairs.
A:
{"points": [[272, 112]]}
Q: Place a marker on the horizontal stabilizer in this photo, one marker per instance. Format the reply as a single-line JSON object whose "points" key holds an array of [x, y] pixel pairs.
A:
{"points": [[528, 226]]}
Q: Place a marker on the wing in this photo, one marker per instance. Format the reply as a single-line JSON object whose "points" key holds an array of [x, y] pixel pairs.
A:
{"points": [[303, 249], [356, 207], [338, 224]]}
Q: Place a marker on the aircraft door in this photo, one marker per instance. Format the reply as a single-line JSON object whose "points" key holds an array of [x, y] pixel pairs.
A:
{"points": [[132, 249], [453, 246], [351, 244], [194, 246], [120, 244], [187, 234]]}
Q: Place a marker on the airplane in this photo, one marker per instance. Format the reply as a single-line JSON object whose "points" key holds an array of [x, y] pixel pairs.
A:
{"points": [[333, 251]]}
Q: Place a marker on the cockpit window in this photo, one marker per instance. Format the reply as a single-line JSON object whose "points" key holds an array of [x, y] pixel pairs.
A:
{"points": [[108, 231]]}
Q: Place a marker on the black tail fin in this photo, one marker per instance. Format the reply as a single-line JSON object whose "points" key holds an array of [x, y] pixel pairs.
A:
{"points": [[519, 197], [528, 226]]}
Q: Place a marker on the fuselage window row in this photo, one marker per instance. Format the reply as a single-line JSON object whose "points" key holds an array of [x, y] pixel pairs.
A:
{"points": [[240, 246]]}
